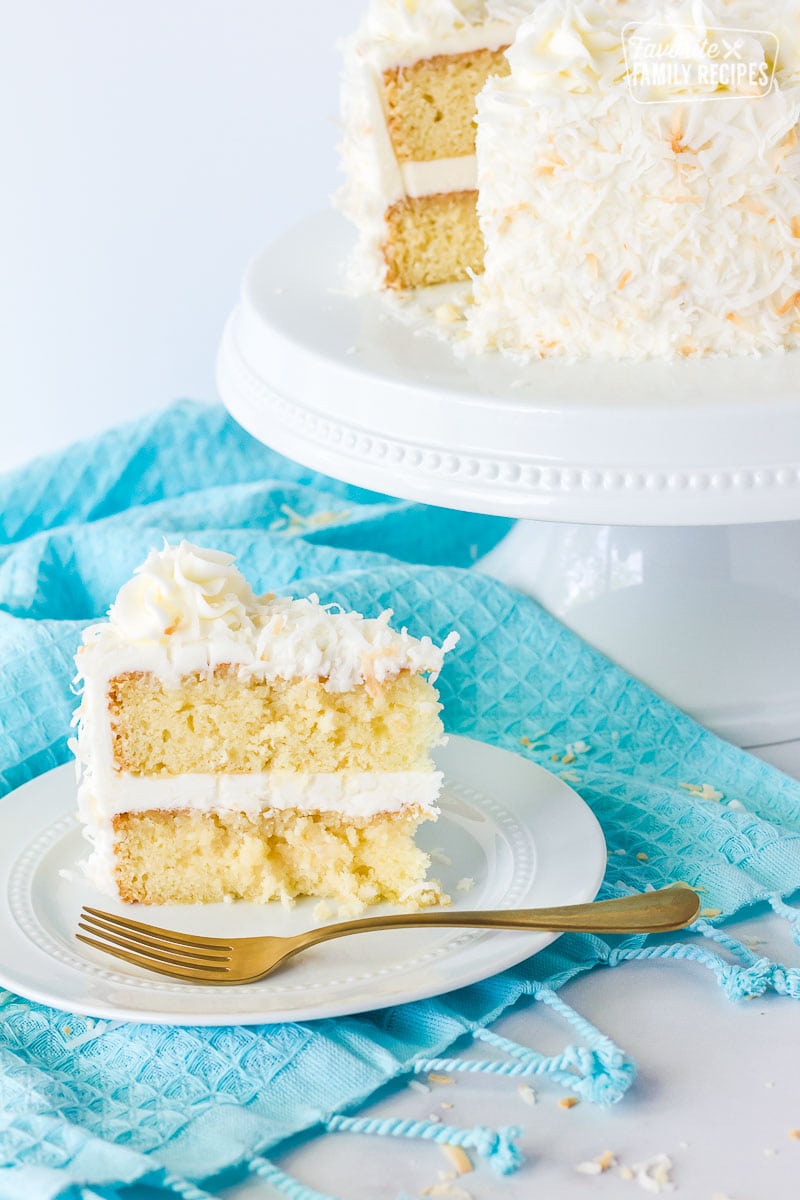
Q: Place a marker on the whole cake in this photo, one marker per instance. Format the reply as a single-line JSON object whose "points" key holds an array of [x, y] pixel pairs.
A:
{"points": [[237, 747], [616, 219]]}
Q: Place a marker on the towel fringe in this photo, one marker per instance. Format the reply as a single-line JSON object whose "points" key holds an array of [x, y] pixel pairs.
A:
{"points": [[599, 1071], [185, 1189], [283, 1182], [498, 1147]]}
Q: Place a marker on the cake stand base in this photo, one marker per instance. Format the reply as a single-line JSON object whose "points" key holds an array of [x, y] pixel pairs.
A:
{"points": [[707, 617]]}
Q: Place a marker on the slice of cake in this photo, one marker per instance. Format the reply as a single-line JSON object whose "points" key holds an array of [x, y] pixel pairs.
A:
{"points": [[411, 79], [235, 747], [628, 229]]}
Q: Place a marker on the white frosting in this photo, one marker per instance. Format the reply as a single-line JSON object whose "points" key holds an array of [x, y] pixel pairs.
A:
{"points": [[619, 229], [440, 175], [401, 32], [357, 794], [186, 594]]}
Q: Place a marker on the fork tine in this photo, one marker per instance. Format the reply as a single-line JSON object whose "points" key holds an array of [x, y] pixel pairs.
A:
{"points": [[170, 935], [155, 955], [193, 974], [143, 942]]}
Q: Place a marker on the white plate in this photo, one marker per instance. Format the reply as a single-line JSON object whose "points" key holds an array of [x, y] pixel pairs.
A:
{"points": [[342, 385], [522, 835]]}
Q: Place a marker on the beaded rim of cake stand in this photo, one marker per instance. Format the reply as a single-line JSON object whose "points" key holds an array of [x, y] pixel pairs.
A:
{"points": [[504, 480]]}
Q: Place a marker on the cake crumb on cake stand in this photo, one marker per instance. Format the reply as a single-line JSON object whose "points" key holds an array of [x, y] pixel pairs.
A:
{"points": [[655, 497]]}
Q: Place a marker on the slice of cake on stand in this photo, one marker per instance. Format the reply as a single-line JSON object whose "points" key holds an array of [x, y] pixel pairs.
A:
{"points": [[236, 747]]}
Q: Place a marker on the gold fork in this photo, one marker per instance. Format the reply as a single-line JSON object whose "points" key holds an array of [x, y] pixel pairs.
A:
{"points": [[246, 960]]}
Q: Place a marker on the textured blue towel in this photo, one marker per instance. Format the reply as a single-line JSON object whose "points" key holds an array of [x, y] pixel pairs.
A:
{"points": [[98, 1104]]}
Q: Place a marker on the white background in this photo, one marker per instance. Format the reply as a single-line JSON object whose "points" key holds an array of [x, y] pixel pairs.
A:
{"points": [[149, 149]]}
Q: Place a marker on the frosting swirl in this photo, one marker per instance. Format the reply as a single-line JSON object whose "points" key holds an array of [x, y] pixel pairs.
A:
{"points": [[184, 592]]}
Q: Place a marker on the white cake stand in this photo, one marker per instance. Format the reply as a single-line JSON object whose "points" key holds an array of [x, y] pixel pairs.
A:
{"points": [[660, 503]]}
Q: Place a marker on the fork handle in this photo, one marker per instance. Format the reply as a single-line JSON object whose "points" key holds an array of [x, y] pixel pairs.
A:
{"points": [[651, 912]]}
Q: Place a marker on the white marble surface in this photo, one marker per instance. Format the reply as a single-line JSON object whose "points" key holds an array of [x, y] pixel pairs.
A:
{"points": [[717, 1092]]}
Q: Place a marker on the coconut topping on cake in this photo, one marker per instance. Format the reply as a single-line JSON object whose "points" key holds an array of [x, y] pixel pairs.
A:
{"points": [[616, 228], [190, 609]]}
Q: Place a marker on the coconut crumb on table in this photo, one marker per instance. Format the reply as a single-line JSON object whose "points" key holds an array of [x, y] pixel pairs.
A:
{"points": [[568, 1102], [460, 1160], [527, 1094], [466, 884], [447, 1192], [444, 1080], [654, 1175], [598, 1166]]}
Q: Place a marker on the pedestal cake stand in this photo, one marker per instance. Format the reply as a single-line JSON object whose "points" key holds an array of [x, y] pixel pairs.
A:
{"points": [[659, 504]]}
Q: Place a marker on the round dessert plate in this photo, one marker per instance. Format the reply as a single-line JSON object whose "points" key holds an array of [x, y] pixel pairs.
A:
{"points": [[510, 836], [345, 386]]}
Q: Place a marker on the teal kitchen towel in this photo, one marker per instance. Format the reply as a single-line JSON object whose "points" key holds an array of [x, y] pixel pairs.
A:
{"points": [[88, 1107]]}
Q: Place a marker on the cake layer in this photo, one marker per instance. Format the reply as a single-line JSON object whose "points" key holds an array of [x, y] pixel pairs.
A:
{"points": [[430, 106], [433, 239], [220, 723], [194, 858], [355, 794]]}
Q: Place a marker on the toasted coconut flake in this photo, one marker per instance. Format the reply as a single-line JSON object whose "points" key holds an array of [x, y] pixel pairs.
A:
{"points": [[460, 1160]]}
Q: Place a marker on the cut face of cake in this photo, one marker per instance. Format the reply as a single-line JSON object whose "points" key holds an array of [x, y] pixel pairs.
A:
{"points": [[411, 81], [622, 229], [235, 747]]}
